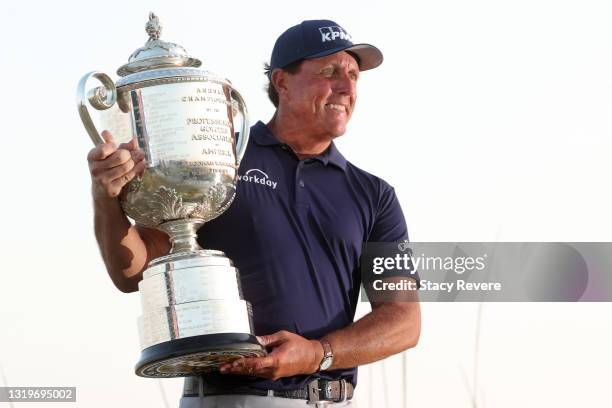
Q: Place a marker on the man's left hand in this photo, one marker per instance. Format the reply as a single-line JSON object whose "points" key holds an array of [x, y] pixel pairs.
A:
{"points": [[291, 355]]}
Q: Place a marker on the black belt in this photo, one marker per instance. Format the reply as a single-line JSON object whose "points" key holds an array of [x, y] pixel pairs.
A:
{"points": [[316, 390]]}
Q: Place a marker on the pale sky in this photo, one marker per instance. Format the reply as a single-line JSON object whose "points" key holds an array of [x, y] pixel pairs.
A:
{"points": [[492, 119]]}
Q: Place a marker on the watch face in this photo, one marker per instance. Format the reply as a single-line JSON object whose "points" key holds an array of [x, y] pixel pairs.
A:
{"points": [[326, 363]]}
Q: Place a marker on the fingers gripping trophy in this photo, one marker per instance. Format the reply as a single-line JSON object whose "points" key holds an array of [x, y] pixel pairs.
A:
{"points": [[193, 129]]}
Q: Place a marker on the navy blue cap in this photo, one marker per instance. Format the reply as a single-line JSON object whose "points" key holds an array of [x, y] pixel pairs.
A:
{"points": [[319, 38]]}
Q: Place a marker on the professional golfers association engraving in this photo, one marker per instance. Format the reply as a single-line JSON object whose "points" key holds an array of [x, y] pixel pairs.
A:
{"points": [[193, 129]]}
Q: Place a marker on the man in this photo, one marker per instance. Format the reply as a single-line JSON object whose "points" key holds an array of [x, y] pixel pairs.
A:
{"points": [[296, 237]]}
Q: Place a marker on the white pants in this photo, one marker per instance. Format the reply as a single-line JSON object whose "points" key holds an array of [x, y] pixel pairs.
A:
{"points": [[254, 401]]}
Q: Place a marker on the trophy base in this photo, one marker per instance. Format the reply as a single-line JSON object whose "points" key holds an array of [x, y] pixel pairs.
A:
{"points": [[196, 355]]}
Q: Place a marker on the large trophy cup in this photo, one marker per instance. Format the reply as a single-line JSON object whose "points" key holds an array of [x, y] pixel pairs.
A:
{"points": [[193, 128]]}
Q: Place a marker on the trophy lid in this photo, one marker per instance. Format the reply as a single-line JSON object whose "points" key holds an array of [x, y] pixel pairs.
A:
{"points": [[157, 53]]}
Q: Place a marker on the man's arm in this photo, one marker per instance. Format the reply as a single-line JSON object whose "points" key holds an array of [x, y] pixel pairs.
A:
{"points": [[126, 249], [391, 327]]}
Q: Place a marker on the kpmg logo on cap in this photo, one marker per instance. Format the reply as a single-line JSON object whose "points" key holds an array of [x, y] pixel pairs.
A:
{"points": [[334, 32]]}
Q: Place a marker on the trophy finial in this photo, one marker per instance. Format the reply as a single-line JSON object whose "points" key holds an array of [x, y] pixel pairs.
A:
{"points": [[157, 53], [153, 27]]}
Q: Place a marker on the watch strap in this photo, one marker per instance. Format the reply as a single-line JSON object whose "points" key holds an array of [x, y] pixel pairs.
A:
{"points": [[328, 355]]}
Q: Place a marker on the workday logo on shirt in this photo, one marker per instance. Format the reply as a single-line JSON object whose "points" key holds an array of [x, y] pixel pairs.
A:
{"points": [[258, 177]]}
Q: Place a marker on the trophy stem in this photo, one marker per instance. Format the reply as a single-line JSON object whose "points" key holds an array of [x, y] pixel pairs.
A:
{"points": [[183, 234]]}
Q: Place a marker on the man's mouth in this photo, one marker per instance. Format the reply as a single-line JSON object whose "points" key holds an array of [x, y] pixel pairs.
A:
{"points": [[339, 108]]}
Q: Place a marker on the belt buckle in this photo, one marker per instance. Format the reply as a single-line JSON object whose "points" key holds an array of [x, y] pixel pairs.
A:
{"points": [[320, 392], [313, 392]]}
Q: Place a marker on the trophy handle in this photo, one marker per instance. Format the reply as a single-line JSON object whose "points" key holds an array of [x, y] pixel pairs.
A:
{"points": [[100, 98], [242, 141]]}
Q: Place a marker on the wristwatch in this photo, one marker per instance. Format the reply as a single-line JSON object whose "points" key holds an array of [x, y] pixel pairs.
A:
{"points": [[328, 356]]}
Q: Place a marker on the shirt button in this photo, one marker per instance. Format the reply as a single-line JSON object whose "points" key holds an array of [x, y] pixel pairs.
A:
{"points": [[301, 183]]}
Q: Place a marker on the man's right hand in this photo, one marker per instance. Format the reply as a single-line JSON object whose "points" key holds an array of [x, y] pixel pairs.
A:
{"points": [[112, 166]]}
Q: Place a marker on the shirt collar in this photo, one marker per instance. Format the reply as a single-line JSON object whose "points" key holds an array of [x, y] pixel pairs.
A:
{"points": [[264, 137]]}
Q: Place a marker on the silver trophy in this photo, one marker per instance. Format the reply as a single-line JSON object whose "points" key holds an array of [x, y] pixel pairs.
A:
{"points": [[193, 128]]}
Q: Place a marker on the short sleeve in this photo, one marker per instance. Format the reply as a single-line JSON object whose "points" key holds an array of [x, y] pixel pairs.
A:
{"points": [[389, 223], [389, 226]]}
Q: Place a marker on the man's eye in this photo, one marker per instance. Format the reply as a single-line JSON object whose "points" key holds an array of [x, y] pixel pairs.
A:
{"points": [[328, 72]]}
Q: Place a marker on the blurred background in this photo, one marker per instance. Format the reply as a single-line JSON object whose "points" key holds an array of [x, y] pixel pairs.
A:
{"points": [[492, 119]]}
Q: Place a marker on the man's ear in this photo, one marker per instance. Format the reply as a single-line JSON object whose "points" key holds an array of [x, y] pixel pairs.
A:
{"points": [[279, 81]]}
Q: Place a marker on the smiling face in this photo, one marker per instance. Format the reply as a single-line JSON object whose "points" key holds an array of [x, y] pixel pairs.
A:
{"points": [[321, 96]]}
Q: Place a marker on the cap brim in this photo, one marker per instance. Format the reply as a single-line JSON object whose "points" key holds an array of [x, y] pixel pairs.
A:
{"points": [[369, 56]]}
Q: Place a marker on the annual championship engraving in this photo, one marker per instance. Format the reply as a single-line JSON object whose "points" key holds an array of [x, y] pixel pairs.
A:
{"points": [[193, 129]]}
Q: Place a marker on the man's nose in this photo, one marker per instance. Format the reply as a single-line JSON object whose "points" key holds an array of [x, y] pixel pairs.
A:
{"points": [[346, 85]]}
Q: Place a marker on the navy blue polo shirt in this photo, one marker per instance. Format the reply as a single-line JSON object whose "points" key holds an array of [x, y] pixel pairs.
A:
{"points": [[295, 231]]}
